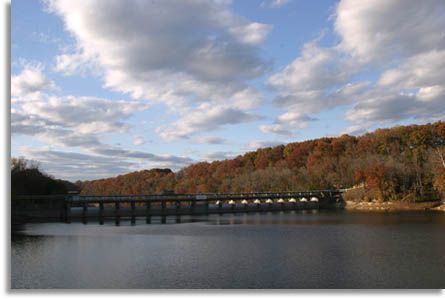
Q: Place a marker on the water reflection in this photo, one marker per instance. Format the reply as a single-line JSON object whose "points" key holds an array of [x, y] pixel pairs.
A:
{"points": [[255, 250]]}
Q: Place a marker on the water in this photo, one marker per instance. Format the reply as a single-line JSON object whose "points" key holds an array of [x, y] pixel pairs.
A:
{"points": [[280, 250]]}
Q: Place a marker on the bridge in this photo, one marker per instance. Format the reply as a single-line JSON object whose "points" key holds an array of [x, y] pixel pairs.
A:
{"points": [[95, 207]]}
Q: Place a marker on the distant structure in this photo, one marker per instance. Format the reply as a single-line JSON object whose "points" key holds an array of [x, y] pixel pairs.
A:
{"points": [[74, 206]]}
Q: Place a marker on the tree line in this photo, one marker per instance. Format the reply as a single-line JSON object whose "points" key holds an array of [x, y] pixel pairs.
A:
{"points": [[403, 163], [28, 179]]}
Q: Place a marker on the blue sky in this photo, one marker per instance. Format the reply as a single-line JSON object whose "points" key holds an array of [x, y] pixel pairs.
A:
{"points": [[105, 87]]}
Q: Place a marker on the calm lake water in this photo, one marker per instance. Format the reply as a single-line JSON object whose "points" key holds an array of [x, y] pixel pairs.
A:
{"points": [[270, 250]]}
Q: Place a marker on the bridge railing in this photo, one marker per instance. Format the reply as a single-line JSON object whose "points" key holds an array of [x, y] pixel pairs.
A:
{"points": [[59, 206], [201, 197]]}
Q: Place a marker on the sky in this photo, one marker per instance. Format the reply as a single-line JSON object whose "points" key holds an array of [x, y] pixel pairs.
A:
{"points": [[101, 88]]}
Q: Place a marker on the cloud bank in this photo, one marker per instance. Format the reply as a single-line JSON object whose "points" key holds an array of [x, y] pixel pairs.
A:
{"points": [[400, 42], [74, 127], [185, 54]]}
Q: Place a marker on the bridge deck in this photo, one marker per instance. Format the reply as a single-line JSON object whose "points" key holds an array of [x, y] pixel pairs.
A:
{"points": [[205, 197]]}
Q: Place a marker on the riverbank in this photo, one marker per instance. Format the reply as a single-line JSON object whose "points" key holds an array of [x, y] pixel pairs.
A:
{"points": [[394, 206]]}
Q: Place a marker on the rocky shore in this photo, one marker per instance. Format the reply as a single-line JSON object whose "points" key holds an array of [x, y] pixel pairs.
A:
{"points": [[389, 206]]}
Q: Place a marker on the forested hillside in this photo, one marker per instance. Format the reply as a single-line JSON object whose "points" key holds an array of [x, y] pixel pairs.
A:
{"points": [[142, 182], [27, 179], [401, 163]]}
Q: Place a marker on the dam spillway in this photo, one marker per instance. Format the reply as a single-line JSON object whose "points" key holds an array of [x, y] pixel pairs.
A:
{"points": [[98, 208]]}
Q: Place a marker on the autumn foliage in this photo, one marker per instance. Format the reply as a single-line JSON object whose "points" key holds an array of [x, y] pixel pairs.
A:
{"points": [[392, 164]]}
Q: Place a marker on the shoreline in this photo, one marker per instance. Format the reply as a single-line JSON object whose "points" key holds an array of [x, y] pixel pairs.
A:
{"points": [[392, 206]]}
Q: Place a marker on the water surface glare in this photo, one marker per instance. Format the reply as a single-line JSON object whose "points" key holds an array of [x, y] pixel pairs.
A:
{"points": [[267, 250]]}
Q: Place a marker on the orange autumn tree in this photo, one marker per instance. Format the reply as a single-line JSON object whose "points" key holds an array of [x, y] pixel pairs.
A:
{"points": [[374, 179], [438, 143], [399, 163]]}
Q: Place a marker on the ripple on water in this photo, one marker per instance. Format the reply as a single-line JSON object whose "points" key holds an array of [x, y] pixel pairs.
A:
{"points": [[258, 250]]}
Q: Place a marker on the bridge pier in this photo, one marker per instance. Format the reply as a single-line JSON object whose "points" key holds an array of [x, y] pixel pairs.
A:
{"points": [[257, 203], [101, 213], [293, 203], [233, 204], [147, 212], [133, 217], [246, 204], [68, 212], [178, 205], [116, 212], [85, 213], [220, 206], [195, 204], [164, 205]]}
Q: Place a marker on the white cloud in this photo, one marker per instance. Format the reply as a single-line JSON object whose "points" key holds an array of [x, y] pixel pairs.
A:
{"points": [[78, 123], [295, 119], [98, 159], [414, 89], [44, 38], [77, 63], [355, 130], [210, 140], [274, 3], [253, 33], [180, 53], [311, 83], [422, 70], [83, 115], [138, 140], [24, 124], [399, 42], [217, 155], [255, 145], [276, 129], [425, 105], [205, 118], [30, 83], [431, 93], [286, 123], [382, 31], [320, 71], [73, 166]]}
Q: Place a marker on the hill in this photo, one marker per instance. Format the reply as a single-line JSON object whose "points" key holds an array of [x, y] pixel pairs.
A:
{"points": [[27, 179], [399, 163], [141, 182]]}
